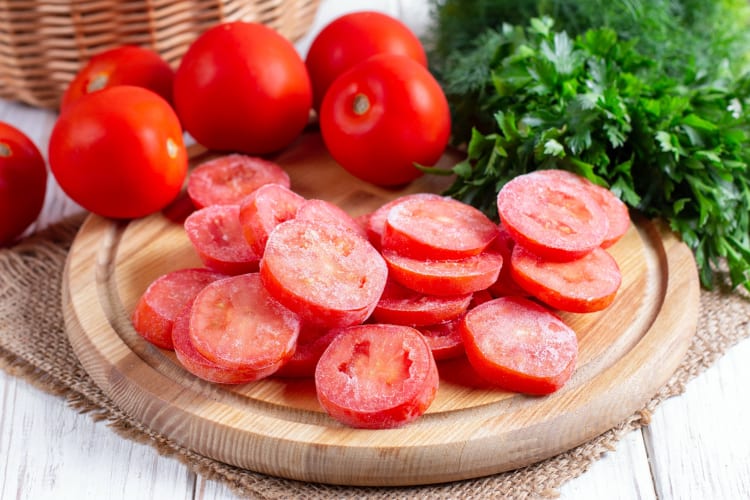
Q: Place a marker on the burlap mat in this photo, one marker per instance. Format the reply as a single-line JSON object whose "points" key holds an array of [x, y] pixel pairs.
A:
{"points": [[33, 344]]}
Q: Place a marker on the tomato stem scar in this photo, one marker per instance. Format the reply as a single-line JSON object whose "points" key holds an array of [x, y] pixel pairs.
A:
{"points": [[98, 82], [5, 151], [361, 104]]}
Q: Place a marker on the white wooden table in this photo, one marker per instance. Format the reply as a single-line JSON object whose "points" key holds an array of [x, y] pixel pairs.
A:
{"points": [[697, 445]]}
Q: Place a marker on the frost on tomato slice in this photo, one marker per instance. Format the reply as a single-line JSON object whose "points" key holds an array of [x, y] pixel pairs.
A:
{"points": [[505, 284], [583, 285], [157, 308], [556, 220], [236, 324], [403, 306], [444, 339], [311, 344], [437, 228], [376, 376], [264, 209], [618, 216], [195, 362], [375, 222], [445, 277], [226, 180], [217, 238], [519, 345], [329, 213], [327, 274]]}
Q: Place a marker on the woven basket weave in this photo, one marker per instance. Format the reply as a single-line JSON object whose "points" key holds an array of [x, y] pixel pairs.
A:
{"points": [[43, 43]]}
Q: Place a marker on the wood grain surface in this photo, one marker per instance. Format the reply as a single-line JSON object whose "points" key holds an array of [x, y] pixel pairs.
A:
{"points": [[276, 426]]}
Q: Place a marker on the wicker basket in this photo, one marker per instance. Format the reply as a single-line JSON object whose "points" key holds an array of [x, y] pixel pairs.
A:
{"points": [[43, 43]]}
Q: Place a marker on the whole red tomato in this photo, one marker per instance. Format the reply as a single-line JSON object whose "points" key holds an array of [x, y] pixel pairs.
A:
{"points": [[352, 38], [23, 183], [119, 152], [242, 87], [126, 65], [384, 115]]}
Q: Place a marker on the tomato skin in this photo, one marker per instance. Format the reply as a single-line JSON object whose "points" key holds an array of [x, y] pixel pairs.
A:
{"points": [[352, 38], [23, 182], [382, 116], [242, 87], [119, 152], [125, 65]]}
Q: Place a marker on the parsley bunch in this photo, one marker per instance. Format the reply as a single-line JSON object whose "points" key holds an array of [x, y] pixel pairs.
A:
{"points": [[672, 144]]}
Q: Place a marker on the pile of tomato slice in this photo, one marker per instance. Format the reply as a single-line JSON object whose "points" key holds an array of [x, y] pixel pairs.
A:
{"points": [[296, 287]]}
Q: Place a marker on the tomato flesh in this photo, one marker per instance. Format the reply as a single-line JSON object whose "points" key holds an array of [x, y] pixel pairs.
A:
{"points": [[556, 220], [157, 308], [264, 209], [402, 306], [583, 285], [216, 235], [327, 274], [445, 277], [226, 180], [519, 345], [437, 228], [237, 325], [444, 339], [376, 376]]}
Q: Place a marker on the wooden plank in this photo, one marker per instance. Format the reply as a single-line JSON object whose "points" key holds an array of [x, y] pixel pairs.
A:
{"points": [[51, 451], [698, 442]]}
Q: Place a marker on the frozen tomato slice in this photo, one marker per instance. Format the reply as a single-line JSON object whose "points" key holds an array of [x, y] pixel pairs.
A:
{"points": [[236, 324], [375, 222], [196, 363], [583, 285], [264, 209], [217, 237], [157, 308], [311, 343], [226, 180], [376, 376], [616, 211], [403, 306], [327, 274], [444, 339], [445, 277], [505, 284], [437, 228], [519, 345], [556, 220], [330, 213]]}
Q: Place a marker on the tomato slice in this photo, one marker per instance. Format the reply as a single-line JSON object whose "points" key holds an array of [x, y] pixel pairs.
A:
{"points": [[556, 220], [157, 308], [519, 345], [327, 274], [616, 211], [311, 344], [444, 339], [583, 285], [437, 228], [236, 324], [226, 180], [216, 234], [197, 364], [445, 277], [402, 306], [264, 209], [505, 284], [376, 376], [375, 222], [329, 213]]}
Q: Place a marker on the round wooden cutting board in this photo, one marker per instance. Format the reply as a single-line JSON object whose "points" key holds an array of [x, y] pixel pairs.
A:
{"points": [[276, 426]]}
